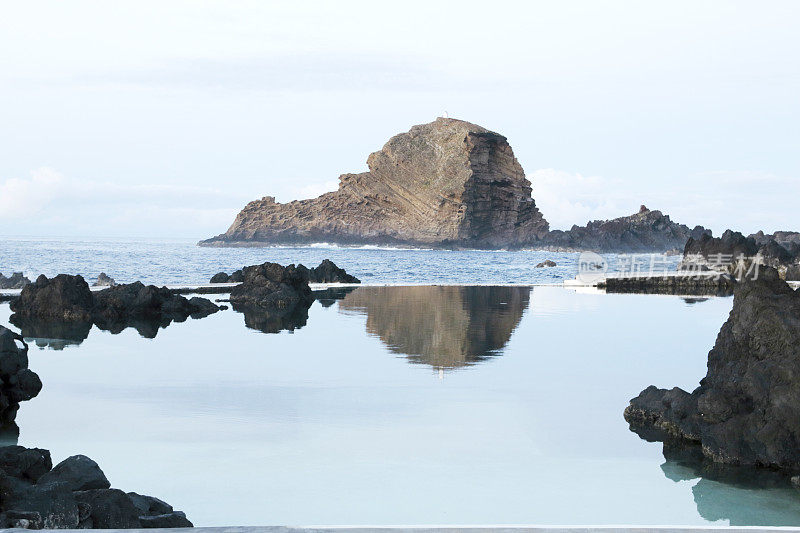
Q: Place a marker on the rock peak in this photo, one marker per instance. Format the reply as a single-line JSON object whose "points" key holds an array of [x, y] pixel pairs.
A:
{"points": [[447, 183]]}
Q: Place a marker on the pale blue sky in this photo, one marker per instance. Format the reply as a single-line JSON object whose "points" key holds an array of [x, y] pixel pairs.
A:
{"points": [[142, 118]]}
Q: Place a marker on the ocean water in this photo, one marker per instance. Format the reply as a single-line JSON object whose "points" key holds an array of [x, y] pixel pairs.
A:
{"points": [[182, 262], [427, 404]]}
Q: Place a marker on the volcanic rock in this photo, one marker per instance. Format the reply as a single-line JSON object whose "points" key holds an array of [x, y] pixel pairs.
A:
{"points": [[328, 272], [17, 382], [273, 286], [746, 410], [546, 263], [103, 280], [74, 494], [645, 231], [448, 183], [64, 297], [15, 281]]}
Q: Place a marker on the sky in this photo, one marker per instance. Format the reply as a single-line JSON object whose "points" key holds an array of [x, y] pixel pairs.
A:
{"points": [[137, 119]]}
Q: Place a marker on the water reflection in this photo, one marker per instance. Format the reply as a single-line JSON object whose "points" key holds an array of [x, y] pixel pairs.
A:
{"points": [[445, 327]]}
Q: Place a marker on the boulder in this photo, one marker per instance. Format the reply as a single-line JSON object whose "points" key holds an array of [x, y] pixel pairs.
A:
{"points": [[328, 272], [273, 286], [447, 183], [219, 277], [103, 280], [78, 473], [28, 464], [133, 300], [546, 263], [108, 509], [236, 277], [149, 505], [15, 281], [173, 519], [64, 297], [746, 410], [74, 494]]}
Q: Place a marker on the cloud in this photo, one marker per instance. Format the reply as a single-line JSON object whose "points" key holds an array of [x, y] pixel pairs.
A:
{"points": [[743, 200], [49, 203]]}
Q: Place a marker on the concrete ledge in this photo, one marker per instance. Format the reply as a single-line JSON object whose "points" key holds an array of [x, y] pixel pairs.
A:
{"points": [[449, 529]]}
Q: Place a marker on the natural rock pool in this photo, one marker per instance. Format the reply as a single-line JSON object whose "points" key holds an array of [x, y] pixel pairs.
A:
{"points": [[400, 405]]}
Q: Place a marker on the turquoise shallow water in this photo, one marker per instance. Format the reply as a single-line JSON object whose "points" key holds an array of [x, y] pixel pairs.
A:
{"points": [[400, 405]]}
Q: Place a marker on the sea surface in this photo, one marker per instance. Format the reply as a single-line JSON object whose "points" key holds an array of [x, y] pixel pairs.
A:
{"points": [[428, 403], [183, 262]]}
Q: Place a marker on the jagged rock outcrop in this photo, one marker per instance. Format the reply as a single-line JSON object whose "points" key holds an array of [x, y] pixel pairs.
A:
{"points": [[733, 252], [15, 281], [445, 327], [273, 286], [17, 382], [104, 280], [74, 494], [645, 231], [746, 410], [328, 272], [448, 183], [48, 304], [546, 264]]}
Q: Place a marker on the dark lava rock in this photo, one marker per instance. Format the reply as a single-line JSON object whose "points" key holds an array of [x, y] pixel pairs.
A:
{"points": [[694, 285], [28, 464], [74, 494], [328, 272], [15, 281], [79, 473], [746, 410], [236, 277], [645, 231], [547, 263], [109, 509], [54, 502], [219, 277], [173, 519], [273, 286], [17, 382], [149, 505], [64, 297], [103, 280], [731, 243], [139, 300]]}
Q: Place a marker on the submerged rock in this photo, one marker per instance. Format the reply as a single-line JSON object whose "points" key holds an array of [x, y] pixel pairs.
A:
{"points": [[645, 231], [15, 281], [17, 382], [328, 272], [547, 263], [746, 410], [74, 494], [448, 183], [103, 280]]}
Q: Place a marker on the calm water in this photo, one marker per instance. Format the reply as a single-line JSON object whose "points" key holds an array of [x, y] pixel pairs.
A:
{"points": [[182, 262], [399, 405]]}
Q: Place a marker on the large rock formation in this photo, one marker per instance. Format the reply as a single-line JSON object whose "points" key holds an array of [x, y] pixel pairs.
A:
{"points": [[74, 494], [15, 281], [645, 231], [746, 410], [448, 183]]}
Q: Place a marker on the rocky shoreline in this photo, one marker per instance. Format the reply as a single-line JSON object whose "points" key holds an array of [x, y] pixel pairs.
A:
{"points": [[746, 410]]}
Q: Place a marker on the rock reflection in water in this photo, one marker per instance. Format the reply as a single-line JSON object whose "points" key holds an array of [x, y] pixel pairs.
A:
{"points": [[744, 496], [444, 327]]}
